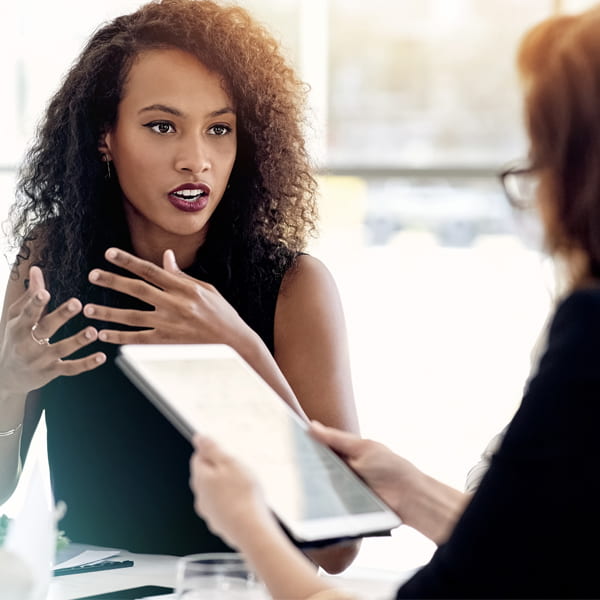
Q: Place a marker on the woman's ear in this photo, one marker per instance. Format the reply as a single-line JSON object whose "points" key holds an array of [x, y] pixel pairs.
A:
{"points": [[104, 142]]}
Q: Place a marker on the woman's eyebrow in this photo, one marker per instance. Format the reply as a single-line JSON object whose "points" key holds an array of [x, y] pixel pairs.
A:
{"points": [[177, 113], [162, 108], [222, 111]]}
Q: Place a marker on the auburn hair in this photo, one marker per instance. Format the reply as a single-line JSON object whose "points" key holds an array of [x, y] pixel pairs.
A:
{"points": [[559, 63]]}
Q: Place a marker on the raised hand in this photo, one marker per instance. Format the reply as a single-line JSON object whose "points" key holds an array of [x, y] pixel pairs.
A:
{"points": [[27, 358], [186, 310]]}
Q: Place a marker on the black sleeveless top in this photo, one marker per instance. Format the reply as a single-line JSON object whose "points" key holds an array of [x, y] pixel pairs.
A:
{"points": [[119, 465]]}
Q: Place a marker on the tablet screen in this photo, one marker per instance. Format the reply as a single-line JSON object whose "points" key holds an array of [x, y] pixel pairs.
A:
{"points": [[211, 389]]}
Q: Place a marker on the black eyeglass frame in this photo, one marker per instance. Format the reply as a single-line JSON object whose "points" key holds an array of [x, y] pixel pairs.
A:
{"points": [[522, 167]]}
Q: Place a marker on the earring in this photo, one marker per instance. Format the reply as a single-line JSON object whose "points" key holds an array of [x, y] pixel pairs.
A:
{"points": [[107, 161]]}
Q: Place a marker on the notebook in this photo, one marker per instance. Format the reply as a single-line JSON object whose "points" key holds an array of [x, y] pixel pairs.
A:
{"points": [[209, 388]]}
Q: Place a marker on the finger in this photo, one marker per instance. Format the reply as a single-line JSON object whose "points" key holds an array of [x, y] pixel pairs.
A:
{"points": [[170, 265], [81, 365], [72, 344], [170, 262], [35, 285], [137, 288], [34, 308], [143, 268], [209, 450], [36, 279], [135, 318], [114, 336], [32, 285], [343, 442], [164, 278], [52, 322]]}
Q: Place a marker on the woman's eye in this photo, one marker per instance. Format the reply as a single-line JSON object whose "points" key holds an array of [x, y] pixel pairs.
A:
{"points": [[161, 127], [219, 130]]}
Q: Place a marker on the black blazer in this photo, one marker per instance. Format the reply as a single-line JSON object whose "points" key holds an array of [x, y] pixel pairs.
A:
{"points": [[532, 527]]}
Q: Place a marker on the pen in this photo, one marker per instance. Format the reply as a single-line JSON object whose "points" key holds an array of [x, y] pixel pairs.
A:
{"points": [[99, 566]]}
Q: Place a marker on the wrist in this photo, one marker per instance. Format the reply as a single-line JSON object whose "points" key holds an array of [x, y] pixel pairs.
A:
{"points": [[246, 342], [11, 388], [433, 507], [10, 432], [252, 526], [12, 410]]}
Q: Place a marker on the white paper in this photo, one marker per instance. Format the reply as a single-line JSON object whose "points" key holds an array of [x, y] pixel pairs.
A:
{"points": [[87, 557], [31, 535], [16, 580]]}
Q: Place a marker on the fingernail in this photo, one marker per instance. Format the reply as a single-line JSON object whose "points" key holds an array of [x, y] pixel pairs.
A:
{"points": [[88, 333], [100, 359], [111, 254], [72, 306], [94, 276], [102, 336], [89, 311]]}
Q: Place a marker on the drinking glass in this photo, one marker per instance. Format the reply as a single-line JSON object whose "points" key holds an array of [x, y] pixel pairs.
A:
{"points": [[215, 576]]}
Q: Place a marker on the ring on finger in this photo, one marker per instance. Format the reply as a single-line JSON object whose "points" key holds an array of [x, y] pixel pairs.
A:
{"points": [[41, 341]]}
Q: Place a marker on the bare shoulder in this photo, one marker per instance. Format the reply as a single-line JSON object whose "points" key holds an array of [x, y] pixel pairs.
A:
{"points": [[308, 278], [310, 337]]}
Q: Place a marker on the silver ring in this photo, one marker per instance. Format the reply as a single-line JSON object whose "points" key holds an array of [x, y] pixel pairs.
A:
{"points": [[37, 340]]}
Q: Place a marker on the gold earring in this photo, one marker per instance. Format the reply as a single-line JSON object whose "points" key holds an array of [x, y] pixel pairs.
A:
{"points": [[107, 161]]}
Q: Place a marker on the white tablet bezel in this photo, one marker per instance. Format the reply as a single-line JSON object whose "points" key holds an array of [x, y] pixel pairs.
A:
{"points": [[307, 531]]}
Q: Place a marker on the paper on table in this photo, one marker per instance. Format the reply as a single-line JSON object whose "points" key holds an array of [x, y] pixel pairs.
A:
{"points": [[87, 557]]}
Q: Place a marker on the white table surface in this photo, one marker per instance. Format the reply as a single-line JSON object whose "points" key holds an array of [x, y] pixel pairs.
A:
{"points": [[148, 569], [154, 569]]}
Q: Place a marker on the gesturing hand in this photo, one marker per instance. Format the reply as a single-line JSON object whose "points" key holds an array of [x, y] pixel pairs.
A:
{"points": [[27, 359], [186, 310]]}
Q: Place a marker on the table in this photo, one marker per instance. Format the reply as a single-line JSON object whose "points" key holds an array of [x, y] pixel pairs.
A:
{"points": [[155, 569], [148, 569]]}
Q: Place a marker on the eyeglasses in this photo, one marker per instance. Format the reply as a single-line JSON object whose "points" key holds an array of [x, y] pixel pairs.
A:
{"points": [[520, 181]]}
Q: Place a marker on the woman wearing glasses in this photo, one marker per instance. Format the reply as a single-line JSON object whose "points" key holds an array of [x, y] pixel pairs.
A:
{"points": [[528, 529]]}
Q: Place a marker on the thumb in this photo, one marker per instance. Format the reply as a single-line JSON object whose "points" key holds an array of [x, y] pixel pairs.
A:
{"points": [[208, 449], [37, 286], [170, 263], [36, 279], [342, 442]]}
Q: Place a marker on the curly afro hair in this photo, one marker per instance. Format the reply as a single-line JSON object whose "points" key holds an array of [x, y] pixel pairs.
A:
{"points": [[66, 209]]}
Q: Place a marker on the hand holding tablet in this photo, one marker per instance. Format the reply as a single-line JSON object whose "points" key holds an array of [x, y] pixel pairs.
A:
{"points": [[210, 389]]}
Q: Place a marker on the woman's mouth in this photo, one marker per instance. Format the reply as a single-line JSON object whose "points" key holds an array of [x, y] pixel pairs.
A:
{"points": [[190, 197]]}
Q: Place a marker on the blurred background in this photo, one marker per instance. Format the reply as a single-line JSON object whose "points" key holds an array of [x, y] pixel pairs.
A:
{"points": [[414, 107]]}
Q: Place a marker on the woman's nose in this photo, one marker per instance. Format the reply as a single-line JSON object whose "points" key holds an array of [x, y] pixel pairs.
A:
{"points": [[192, 156]]}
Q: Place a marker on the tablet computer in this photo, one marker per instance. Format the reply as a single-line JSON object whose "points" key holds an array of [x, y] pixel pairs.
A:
{"points": [[210, 389]]}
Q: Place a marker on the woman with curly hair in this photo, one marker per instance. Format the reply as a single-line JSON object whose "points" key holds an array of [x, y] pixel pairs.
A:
{"points": [[167, 199]]}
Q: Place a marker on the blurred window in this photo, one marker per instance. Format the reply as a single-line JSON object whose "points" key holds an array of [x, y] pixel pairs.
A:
{"points": [[425, 83]]}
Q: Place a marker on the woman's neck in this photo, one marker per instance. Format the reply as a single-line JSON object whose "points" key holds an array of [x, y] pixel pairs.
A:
{"points": [[578, 271], [152, 248]]}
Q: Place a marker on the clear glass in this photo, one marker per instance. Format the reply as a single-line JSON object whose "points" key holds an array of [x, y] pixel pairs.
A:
{"points": [[217, 575]]}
